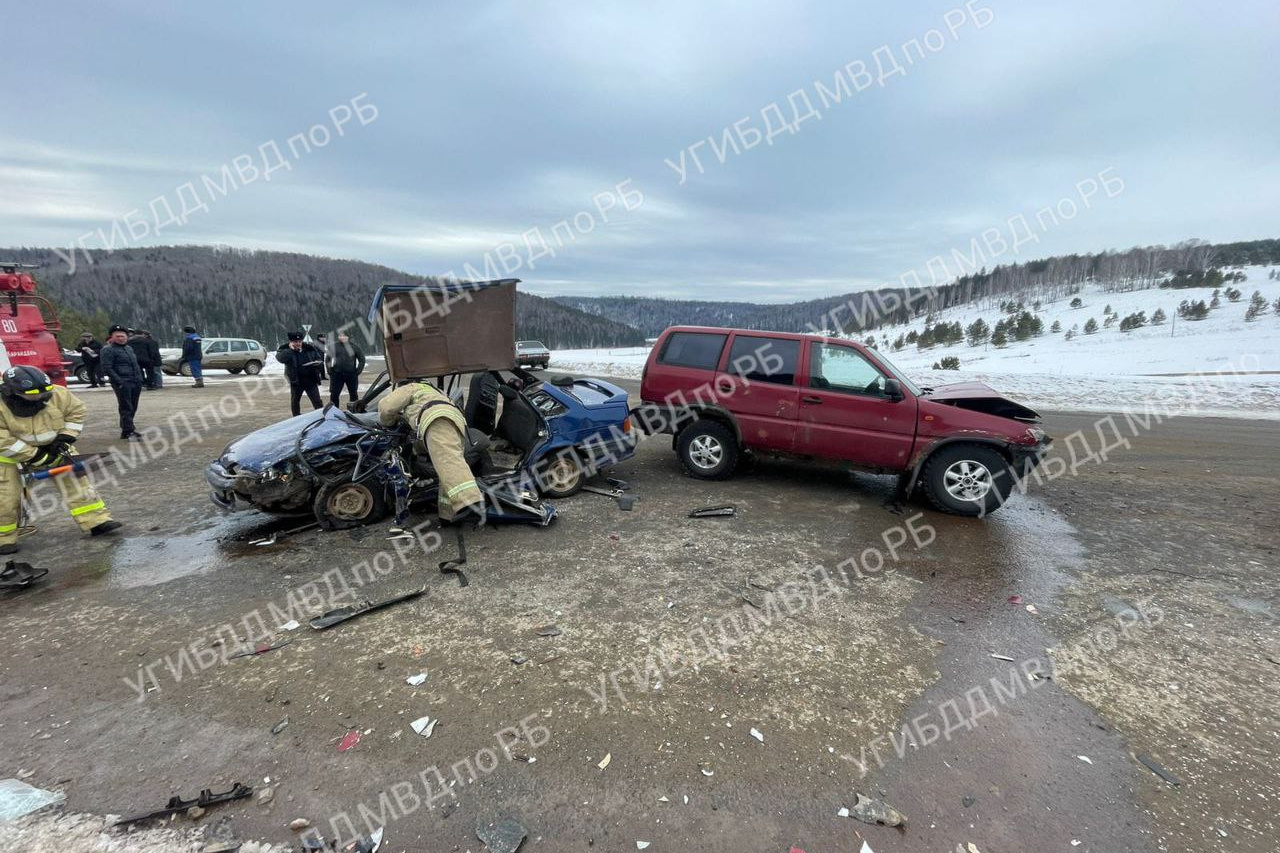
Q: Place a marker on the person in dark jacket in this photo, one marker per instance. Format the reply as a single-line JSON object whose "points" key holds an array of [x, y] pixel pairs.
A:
{"points": [[345, 362], [157, 361], [120, 366], [148, 353], [303, 365], [91, 353], [193, 353]]}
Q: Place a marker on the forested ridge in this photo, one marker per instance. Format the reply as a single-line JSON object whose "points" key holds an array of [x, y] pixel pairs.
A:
{"points": [[257, 294]]}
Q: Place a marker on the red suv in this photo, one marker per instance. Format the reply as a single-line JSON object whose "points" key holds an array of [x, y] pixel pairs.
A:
{"points": [[723, 392]]}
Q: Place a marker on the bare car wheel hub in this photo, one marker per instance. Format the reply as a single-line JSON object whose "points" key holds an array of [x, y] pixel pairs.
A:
{"points": [[351, 502]]}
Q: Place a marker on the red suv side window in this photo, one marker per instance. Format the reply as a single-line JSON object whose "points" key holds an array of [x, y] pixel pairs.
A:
{"points": [[843, 370], [693, 349], [764, 359]]}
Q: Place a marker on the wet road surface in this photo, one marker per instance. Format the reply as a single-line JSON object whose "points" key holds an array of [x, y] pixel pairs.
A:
{"points": [[1151, 575]]}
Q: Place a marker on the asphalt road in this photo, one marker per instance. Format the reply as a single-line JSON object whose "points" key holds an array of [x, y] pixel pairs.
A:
{"points": [[1134, 597]]}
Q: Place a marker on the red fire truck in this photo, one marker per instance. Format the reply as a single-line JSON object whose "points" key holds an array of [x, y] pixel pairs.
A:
{"points": [[28, 324]]}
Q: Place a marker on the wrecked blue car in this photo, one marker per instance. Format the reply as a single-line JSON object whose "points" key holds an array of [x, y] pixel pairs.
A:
{"points": [[541, 439]]}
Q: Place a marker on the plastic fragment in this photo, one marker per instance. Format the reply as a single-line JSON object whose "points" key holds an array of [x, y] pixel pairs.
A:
{"points": [[756, 734], [415, 680], [872, 811], [280, 726], [18, 798], [424, 725], [604, 762], [1086, 759], [502, 836], [350, 739]]}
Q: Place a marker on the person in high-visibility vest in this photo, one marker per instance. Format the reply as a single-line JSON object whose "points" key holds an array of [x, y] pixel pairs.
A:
{"points": [[39, 424], [442, 428]]}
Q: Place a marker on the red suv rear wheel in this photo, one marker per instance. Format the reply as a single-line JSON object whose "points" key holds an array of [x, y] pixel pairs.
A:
{"points": [[708, 450]]}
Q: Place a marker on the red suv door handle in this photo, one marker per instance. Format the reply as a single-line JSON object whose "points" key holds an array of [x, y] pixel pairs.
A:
{"points": [[810, 399]]}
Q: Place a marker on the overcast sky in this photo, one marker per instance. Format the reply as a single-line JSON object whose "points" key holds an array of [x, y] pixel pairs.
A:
{"points": [[497, 118]]}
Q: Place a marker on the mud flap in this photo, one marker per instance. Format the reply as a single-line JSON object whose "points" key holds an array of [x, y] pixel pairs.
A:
{"points": [[505, 507], [351, 611], [19, 575]]}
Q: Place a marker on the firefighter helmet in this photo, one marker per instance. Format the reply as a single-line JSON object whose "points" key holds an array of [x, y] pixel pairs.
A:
{"points": [[26, 383]]}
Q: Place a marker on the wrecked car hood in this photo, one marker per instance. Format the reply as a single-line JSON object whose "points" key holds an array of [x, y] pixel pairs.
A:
{"points": [[592, 393], [981, 397], [271, 445]]}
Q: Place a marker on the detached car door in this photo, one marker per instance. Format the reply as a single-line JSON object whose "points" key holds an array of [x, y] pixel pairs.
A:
{"points": [[764, 404], [845, 414]]}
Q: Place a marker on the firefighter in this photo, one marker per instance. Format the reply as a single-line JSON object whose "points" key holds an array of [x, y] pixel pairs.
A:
{"points": [[442, 428], [39, 424]]}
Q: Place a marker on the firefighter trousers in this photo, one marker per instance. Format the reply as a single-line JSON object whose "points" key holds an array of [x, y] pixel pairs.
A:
{"points": [[81, 500], [458, 487]]}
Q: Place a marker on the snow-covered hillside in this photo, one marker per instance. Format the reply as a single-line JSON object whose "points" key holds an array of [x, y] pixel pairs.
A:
{"points": [[1106, 371]]}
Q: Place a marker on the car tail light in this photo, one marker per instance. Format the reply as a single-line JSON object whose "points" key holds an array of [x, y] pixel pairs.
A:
{"points": [[626, 424]]}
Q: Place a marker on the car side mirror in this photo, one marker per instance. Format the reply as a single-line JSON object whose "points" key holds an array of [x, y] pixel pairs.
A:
{"points": [[893, 389]]}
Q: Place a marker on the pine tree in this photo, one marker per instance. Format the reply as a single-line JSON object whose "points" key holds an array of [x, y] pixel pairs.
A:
{"points": [[1091, 327], [1257, 306], [998, 339], [978, 332], [1158, 318], [1056, 327], [1077, 302]]}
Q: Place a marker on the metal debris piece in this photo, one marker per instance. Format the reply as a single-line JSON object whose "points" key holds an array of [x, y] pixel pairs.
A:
{"points": [[723, 511], [604, 762], [548, 631], [502, 836], [1003, 657], [618, 485], [415, 680], [350, 739], [1150, 764], [625, 501], [875, 812], [280, 726], [351, 611], [17, 575], [261, 648], [519, 659], [454, 566], [424, 725], [177, 805]]}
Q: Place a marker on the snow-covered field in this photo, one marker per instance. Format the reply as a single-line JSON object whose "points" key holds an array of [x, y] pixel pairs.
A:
{"points": [[1237, 362]]}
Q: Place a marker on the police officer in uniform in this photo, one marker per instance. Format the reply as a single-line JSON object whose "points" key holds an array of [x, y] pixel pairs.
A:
{"points": [[39, 425]]}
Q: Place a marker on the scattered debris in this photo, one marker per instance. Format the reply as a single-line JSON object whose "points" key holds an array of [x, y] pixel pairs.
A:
{"points": [[415, 680], [503, 836], [367, 844], [261, 648], [1003, 657], [17, 575], [1150, 764], [266, 795], [618, 485], [843, 812], [548, 631], [756, 734], [177, 805], [972, 848], [222, 847], [351, 611], [19, 798], [275, 537], [866, 848], [299, 823], [640, 845], [1086, 759], [967, 802], [707, 771], [519, 659], [454, 566], [723, 511], [625, 502], [1015, 599], [424, 725], [350, 739], [663, 799], [1031, 608], [280, 726], [291, 625], [604, 762], [872, 811]]}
